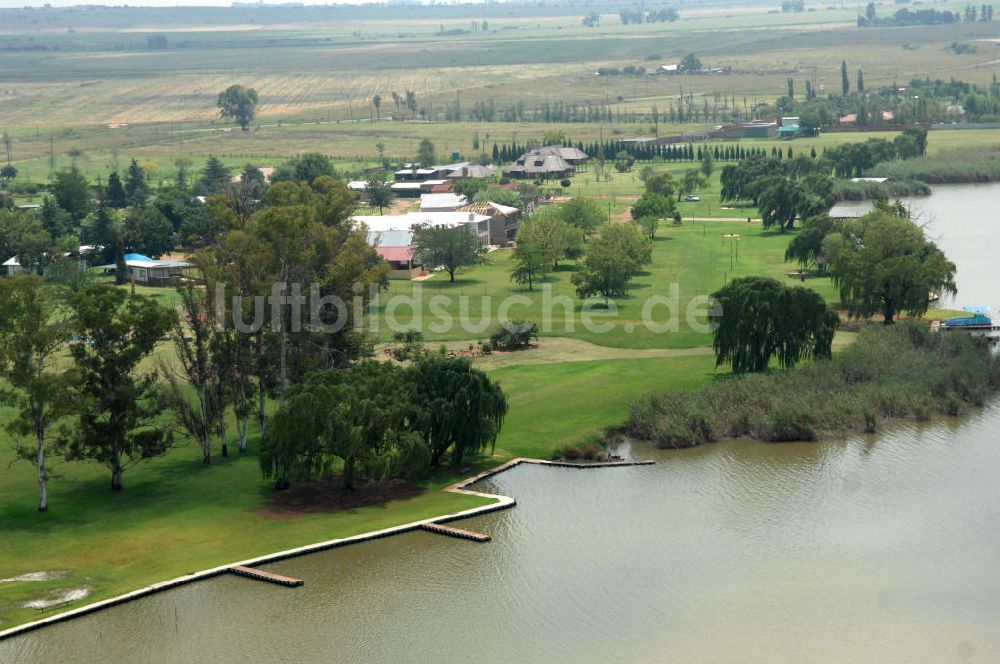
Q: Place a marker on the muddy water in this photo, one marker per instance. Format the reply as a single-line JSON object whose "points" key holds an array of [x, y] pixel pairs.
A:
{"points": [[965, 222], [880, 549]]}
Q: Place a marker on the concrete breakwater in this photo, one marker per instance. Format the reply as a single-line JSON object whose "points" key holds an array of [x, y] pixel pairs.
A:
{"points": [[500, 503]]}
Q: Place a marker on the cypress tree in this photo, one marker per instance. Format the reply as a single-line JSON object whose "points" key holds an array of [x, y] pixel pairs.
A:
{"points": [[136, 187], [114, 193]]}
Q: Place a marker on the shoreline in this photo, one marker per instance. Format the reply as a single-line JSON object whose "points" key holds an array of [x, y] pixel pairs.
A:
{"points": [[501, 502]]}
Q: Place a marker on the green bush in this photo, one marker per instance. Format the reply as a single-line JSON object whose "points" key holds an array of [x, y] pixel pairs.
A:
{"points": [[514, 335]]}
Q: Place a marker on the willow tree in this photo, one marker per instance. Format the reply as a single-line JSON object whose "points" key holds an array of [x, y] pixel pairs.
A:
{"points": [[462, 409], [360, 420], [762, 318], [884, 264]]}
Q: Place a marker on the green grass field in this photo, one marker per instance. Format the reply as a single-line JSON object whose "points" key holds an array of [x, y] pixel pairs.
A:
{"points": [[695, 256]]}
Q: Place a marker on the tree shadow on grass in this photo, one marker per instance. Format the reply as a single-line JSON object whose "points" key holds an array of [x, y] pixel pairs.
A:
{"points": [[329, 495]]}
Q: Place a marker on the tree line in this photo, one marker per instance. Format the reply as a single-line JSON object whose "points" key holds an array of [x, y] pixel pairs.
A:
{"points": [[142, 376]]}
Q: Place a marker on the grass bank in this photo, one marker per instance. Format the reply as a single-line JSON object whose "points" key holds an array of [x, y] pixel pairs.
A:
{"points": [[865, 191], [904, 372], [177, 516], [968, 165]]}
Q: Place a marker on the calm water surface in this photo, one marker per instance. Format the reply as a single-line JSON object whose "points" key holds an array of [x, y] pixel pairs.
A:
{"points": [[878, 549], [964, 220]]}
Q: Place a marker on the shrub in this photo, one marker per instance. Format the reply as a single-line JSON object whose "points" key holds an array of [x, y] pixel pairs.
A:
{"points": [[515, 335], [412, 347], [565, 182]]}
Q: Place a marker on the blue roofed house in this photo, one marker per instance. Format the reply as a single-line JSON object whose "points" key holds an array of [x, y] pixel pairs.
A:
{"points": [[149, 272]]}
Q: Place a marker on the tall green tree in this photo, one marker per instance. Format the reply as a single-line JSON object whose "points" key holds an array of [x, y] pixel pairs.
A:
{"points": [[861, 81], [32, 334], [72, 193], [845, 83], [690, 63], [379, 191], [136, 187], [583, 213], [530, 260], [692, 181], [55, 219], [215, 177], [238, 103], [114, 192], [806, 248], [613, 258], [462, 409], [451, 247], [23, 236], [362, 416], [658, 182], [425, 153], [782, 200], [653, 205], [707, 165], [884, 264], [761, 319], [306, 167], [117, 406], [194, 390], [101, 231], [147, 231]]}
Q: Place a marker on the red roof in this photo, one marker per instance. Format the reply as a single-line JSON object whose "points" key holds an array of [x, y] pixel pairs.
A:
{"points": [[441, 188], [399, 254]]}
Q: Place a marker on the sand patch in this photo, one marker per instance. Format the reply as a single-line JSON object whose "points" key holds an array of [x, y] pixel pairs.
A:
{"points": [[37, 576], [65, 596]]}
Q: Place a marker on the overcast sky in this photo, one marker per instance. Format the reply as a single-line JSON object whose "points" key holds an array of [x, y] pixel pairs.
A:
{"points": [[160, 3]]}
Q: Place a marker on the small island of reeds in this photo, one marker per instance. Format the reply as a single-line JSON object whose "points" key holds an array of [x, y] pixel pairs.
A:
{"points": [[890, 374]]}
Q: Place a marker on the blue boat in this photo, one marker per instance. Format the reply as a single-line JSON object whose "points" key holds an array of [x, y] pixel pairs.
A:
{"points": [[979, 318]]}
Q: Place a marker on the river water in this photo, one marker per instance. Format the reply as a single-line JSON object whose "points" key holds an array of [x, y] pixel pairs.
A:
{"points": [[876, 549], [965, 222]]}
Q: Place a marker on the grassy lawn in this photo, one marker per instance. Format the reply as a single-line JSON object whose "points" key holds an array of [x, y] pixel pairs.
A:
{"points": [[177, 516], [694, 256]]}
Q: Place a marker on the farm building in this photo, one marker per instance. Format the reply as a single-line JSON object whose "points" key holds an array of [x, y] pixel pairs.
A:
{"points": [[12, 266], [456, 171], [503, 224], [405, 222], [402, 189], [789, 127], [396, 248], [551, 161], [148, 272], [473, 171], [480, 223], [445, 202]]}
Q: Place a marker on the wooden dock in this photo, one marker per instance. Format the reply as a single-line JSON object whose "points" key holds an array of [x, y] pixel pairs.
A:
{"points": [[455, 532], [269, 577]]}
